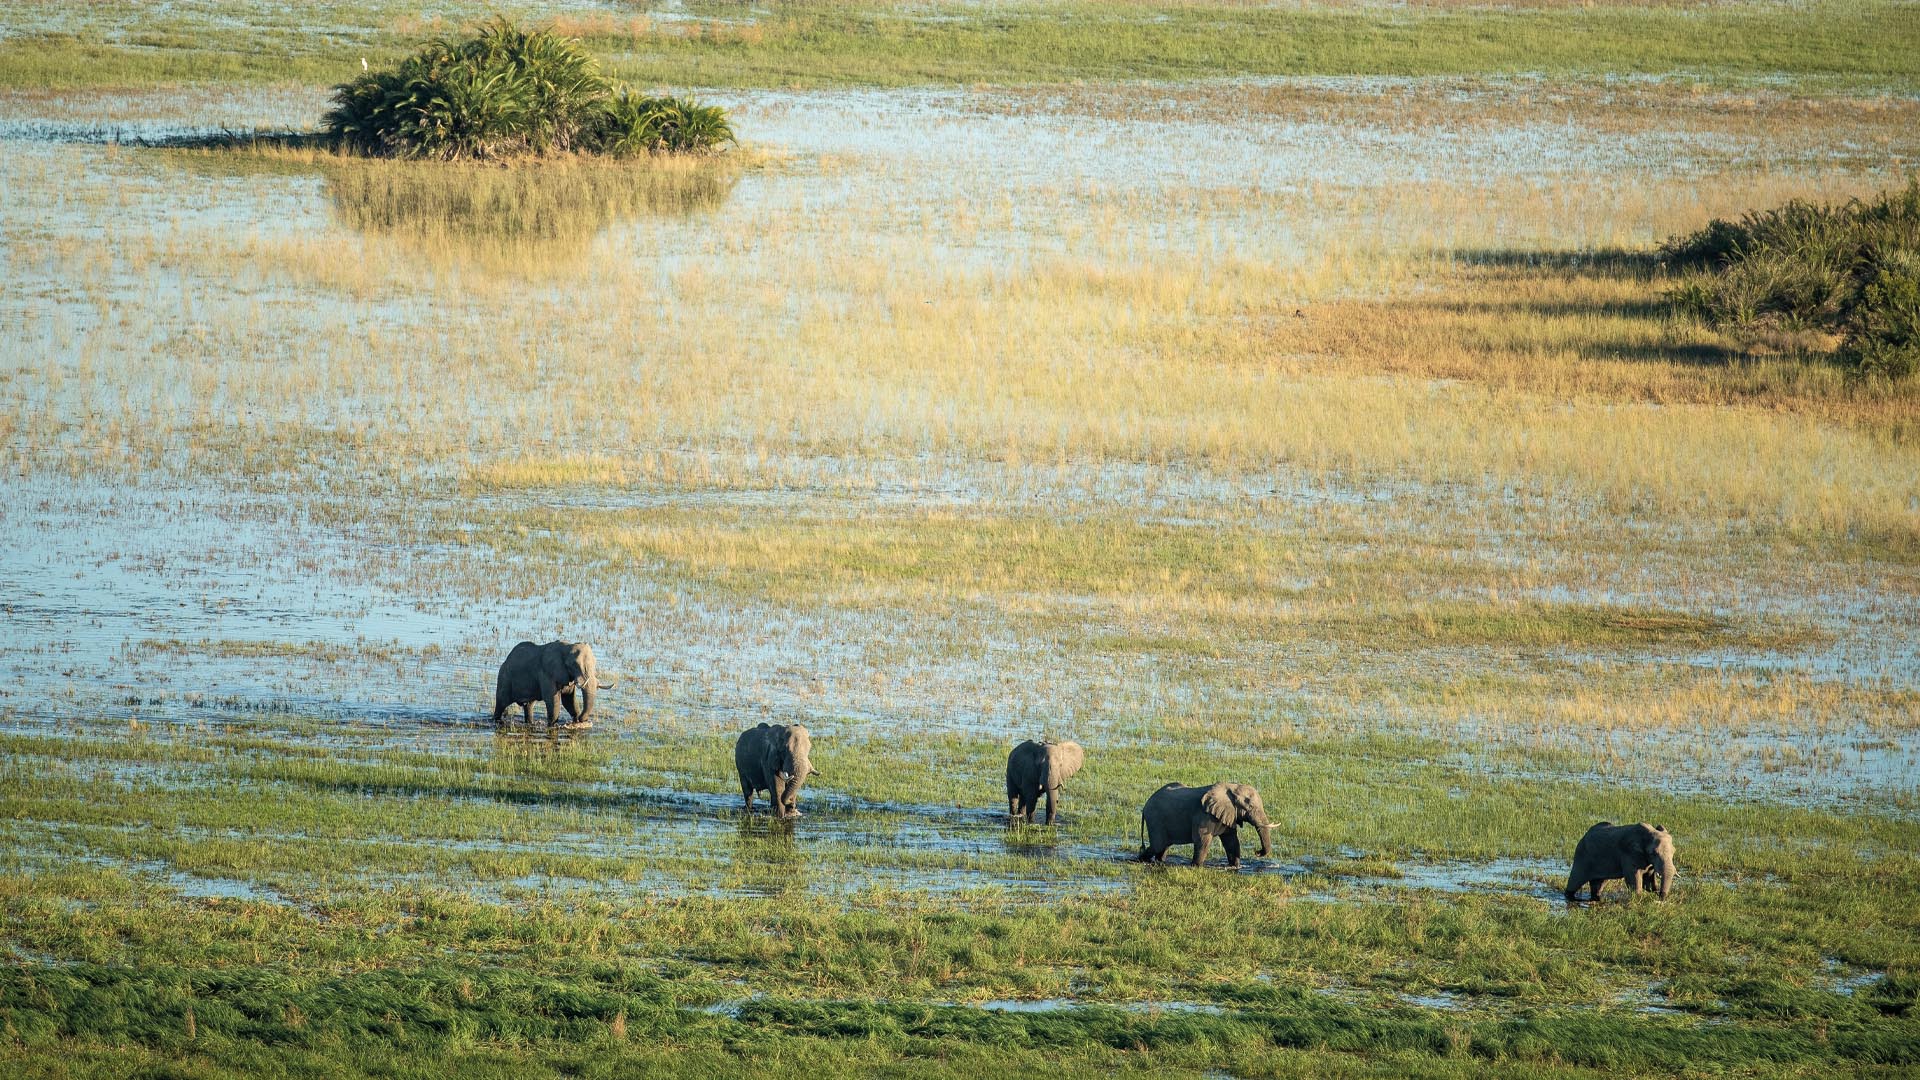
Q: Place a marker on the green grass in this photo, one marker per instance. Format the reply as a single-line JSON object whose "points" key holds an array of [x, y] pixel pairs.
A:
{"points": [[396, 951], [1846, 44]]}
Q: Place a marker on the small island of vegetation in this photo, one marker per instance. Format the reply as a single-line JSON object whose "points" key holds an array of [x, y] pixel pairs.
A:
{"points": [[508, 92], [1848, 271]]}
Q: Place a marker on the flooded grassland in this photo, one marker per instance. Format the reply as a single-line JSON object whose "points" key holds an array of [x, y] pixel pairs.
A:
{"points": [[1325, 434]]}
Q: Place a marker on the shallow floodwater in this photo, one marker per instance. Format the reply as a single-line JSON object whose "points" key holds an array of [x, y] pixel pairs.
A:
{"points": [[180, 543]]}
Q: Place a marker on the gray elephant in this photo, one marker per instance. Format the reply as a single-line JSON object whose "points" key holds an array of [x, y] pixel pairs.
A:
{"points": [[543, 673], [1641, 854], [1035, 768], [774, 758], [1177, 814]]}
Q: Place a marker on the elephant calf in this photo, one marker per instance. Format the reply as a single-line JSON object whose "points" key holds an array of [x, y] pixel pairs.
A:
{"points": [[1642, 854], [1177, 814], [1035, 768], [774, 758], [543, 673]]}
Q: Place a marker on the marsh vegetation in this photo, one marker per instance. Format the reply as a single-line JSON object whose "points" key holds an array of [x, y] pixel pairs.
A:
{"points": [[1336, 435], [1851, 271], [506, 92]]}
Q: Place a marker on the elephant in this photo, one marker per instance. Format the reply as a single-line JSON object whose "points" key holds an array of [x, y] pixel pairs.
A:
{"points": [[774, 758], [1177, 814], [1036, 767], [1642, 854], [544, 672]]}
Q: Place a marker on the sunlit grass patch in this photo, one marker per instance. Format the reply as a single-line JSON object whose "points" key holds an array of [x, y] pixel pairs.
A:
{"points": [[1586, 328], [1223, 580], [1851, 44], [949, 553]]}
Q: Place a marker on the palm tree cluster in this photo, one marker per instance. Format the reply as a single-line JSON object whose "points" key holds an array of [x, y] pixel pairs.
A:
{"points": [[509, 92], [1850, 269]]}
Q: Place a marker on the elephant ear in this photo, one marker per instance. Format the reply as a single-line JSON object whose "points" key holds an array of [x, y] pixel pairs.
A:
{"points": [[1217, 802]]}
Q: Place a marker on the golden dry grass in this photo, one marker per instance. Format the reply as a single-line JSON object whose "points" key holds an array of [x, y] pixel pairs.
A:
{"points": [[1438, 332]]}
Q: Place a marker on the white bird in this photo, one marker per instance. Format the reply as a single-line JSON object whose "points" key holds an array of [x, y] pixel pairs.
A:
{"points": [[363, 63]]}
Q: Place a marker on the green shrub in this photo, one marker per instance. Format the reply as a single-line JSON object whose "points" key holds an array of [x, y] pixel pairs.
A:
{"points": [[508, 92], [630, 124], [1850, 270], [1884, 336]]}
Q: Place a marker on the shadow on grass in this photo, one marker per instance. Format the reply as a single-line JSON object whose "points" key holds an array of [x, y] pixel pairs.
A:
{"points": [[1613, 262], [1627, 287], [226, 139]]}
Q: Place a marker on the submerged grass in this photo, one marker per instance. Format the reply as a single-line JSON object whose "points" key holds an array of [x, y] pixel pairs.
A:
{"points": [[407, 950]]}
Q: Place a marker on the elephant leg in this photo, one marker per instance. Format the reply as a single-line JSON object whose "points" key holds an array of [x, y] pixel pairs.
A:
{"points": [[1050, 806], [1013, 808], [573, 709], [1231, 841], [1200, 845], [526, 712], [1594, 886]]}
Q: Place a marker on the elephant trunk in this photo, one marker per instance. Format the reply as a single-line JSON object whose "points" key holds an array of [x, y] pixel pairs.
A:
{"points": [[586, 699], [1665, 867], [788, 775], [801, 770], [1265, 830]]}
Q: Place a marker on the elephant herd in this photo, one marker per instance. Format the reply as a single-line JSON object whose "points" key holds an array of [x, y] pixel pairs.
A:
{"points": [[777, 759]]}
